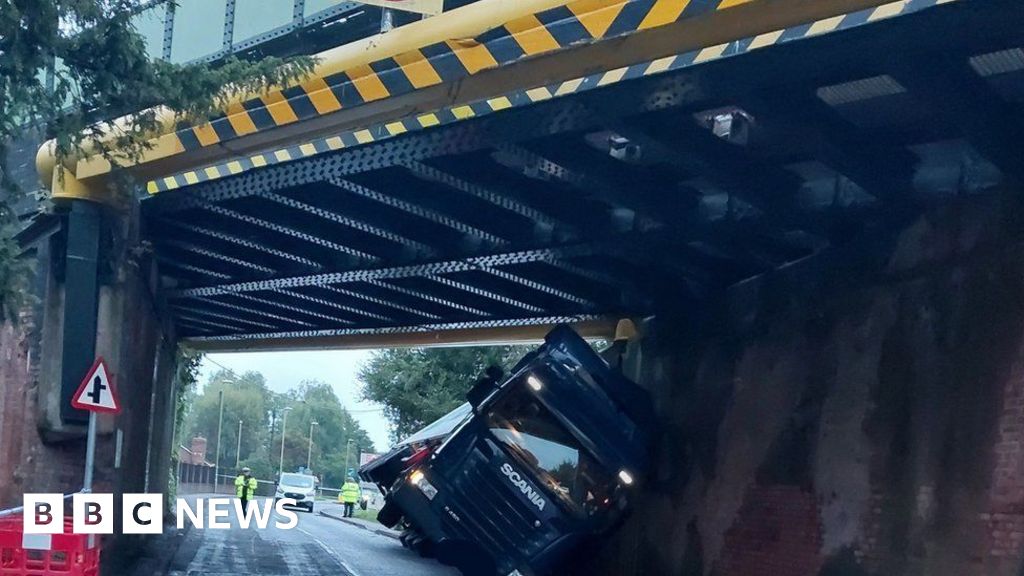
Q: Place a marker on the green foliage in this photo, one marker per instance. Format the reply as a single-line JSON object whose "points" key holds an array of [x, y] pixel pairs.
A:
{"points": [[67, 64], [247, 398], [186, 375], [419, 385], [103, 71], [261, 466]]}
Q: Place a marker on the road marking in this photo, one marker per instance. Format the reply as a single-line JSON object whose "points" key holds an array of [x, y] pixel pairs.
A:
{"points": [[330, 552]]}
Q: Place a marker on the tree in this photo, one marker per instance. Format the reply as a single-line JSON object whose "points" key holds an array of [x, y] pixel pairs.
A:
{"points": [[247, 398], [66, 64], [419, 385], [315, 401]]}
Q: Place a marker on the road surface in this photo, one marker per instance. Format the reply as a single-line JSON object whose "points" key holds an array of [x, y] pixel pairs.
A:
{"points": [[318, 546]]}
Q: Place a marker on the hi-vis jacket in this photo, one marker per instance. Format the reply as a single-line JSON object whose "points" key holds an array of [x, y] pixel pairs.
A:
{"points": [[243, 489], [349, 493]]}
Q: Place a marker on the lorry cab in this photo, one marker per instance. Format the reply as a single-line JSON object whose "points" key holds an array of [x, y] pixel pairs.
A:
{"points": [[530, 468]]}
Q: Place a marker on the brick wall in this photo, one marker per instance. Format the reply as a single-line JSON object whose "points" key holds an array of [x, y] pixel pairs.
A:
{"points": [[875, 429], [13, 387], [1003, 523], [777, 532], [25, 461]]}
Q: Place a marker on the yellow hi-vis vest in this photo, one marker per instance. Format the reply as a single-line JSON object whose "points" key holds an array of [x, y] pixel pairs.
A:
{"points": [[349, 493], [245, 489]]}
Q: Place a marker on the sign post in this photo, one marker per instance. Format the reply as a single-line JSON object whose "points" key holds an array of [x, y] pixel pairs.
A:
{"points": [[96, 394]]}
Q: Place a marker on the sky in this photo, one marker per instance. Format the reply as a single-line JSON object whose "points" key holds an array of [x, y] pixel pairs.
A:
{"points": [[286, 370]]}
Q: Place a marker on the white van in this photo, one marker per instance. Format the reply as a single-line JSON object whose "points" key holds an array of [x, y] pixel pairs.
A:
{"points": [[298, 487]]}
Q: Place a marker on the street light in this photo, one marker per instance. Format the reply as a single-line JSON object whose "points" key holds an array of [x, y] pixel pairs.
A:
{"points": [[220, 418], [309, 454], [238, 453], [284, 423], [348, 445]]}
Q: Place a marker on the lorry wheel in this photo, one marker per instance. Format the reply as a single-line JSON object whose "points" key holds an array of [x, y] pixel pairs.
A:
{"points": [[414, 541], [390, 515], [424, 548]]}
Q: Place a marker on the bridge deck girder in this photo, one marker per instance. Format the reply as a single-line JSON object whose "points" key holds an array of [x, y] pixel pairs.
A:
{"points": [[620, 200]]}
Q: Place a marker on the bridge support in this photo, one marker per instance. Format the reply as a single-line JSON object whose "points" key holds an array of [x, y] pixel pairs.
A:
{"points": [[845, 422], [94, 296], [81, 292]]}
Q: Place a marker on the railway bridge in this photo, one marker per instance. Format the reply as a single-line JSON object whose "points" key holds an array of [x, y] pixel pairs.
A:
{"points": [[812, 209]]}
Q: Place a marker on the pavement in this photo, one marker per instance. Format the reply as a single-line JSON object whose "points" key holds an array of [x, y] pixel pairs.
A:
{"points": [[336, 512], [320, 545]]}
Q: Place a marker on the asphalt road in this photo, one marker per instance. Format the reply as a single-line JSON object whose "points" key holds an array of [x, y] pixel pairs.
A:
{"points": [[318, 546]]}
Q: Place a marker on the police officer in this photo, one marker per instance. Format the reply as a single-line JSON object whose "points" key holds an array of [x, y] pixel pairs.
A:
{"points": [[350, 493], [245, 487]]}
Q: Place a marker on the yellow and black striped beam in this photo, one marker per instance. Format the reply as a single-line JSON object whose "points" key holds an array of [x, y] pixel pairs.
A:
{"points": [[580, 21]]}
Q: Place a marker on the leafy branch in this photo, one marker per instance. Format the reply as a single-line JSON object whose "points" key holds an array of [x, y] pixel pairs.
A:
{"points": [[68, 65]]}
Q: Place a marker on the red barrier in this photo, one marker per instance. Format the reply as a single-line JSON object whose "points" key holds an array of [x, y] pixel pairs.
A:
{"points": [[64, 554]]}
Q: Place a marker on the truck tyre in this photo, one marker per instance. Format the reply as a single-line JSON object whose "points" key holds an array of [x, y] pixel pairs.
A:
{"points": [[424, 547], [390, 515]]}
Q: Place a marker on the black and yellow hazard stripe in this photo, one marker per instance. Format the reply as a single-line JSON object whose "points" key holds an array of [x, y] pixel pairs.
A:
{"points": [[554, 29], [436, 64]]}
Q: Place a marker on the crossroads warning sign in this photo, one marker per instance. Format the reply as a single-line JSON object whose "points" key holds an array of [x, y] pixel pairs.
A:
{"points": [[97, 392]]}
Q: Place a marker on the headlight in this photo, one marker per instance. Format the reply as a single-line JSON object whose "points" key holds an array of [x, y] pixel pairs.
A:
{"points": [[311, 493], [419, 480]]}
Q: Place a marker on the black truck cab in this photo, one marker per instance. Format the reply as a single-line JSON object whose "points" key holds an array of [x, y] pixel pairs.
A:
{"points": [[533, 466]]}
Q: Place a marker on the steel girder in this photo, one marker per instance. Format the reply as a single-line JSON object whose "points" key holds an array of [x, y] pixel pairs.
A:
{"points": [[630, 199]]}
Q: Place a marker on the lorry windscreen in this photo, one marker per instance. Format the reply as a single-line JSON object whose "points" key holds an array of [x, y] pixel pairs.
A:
{"points": [[555, 457]]}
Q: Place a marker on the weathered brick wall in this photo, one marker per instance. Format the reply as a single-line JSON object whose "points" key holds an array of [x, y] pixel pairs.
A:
{"points": [[1003, 521], [26, 463], [872, 426], [13, 389], [777, 532], [37, 452]]}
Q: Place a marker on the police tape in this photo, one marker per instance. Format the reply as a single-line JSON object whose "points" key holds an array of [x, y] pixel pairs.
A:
{"points": [[94, 513]]}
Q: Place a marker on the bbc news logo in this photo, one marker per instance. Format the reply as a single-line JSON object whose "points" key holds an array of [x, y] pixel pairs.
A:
{"points": [[143, 513]]}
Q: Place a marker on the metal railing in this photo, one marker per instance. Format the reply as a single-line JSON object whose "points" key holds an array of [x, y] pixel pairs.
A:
{"points": [[20, 509]]}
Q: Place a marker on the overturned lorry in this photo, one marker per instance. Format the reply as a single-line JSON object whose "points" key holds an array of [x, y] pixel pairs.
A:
{"points": [[532, 466]]}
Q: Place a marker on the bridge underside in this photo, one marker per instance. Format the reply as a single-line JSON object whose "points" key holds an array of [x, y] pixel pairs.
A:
{"points": [[646, 196]]}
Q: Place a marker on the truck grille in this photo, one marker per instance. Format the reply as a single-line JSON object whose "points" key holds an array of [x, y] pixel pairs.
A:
{"points": [[491, 515]]}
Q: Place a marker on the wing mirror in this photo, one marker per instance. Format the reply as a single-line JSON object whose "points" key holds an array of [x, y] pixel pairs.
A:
{"points": [[484, 386]]}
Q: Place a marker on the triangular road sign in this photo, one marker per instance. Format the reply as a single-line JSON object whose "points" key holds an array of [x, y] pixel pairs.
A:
{"points": [[97, 392]]}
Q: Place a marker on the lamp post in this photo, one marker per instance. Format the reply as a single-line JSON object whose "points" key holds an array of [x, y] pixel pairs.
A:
{"points": [[284, 424], [309, 453], [348, 446], [220, 419], [238, 452]]}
